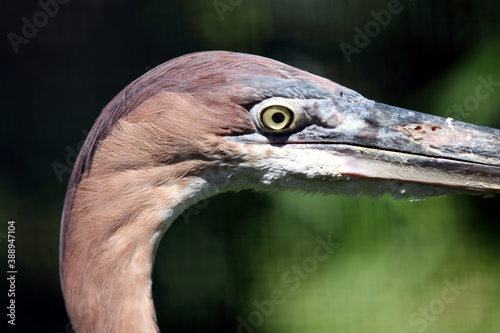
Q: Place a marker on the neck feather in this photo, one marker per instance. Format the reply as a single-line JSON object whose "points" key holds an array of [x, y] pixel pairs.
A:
{"points": [[113, 231]]}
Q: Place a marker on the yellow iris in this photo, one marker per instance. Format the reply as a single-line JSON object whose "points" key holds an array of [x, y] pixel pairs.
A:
{"points": [[276, 117]]}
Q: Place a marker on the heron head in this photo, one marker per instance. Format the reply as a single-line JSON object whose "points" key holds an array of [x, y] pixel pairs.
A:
{"points": [[254, 122]]}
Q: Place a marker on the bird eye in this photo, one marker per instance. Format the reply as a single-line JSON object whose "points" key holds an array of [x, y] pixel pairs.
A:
{"points": [[276, 118], [277, 115]]}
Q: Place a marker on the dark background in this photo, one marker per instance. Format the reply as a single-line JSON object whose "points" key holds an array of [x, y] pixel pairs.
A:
{"points": [[211, 267]]}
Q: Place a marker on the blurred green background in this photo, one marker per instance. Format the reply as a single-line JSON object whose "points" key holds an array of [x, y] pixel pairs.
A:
{"points": [[217, 270]]}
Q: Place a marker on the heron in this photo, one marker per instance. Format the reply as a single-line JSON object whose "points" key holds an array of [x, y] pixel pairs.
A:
{"points": [[216, 121]]}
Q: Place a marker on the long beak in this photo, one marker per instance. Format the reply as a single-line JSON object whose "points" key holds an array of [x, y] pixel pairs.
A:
{"points": [[379, 141]]}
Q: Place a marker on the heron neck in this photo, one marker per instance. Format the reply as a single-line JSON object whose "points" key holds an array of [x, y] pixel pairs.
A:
{"points": [[114, 228]]}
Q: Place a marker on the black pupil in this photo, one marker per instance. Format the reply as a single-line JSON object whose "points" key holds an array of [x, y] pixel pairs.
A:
{"points": [[278, 117]]}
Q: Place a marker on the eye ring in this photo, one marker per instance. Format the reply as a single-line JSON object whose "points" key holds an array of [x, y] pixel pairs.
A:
{"points": [[276, 115]]}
